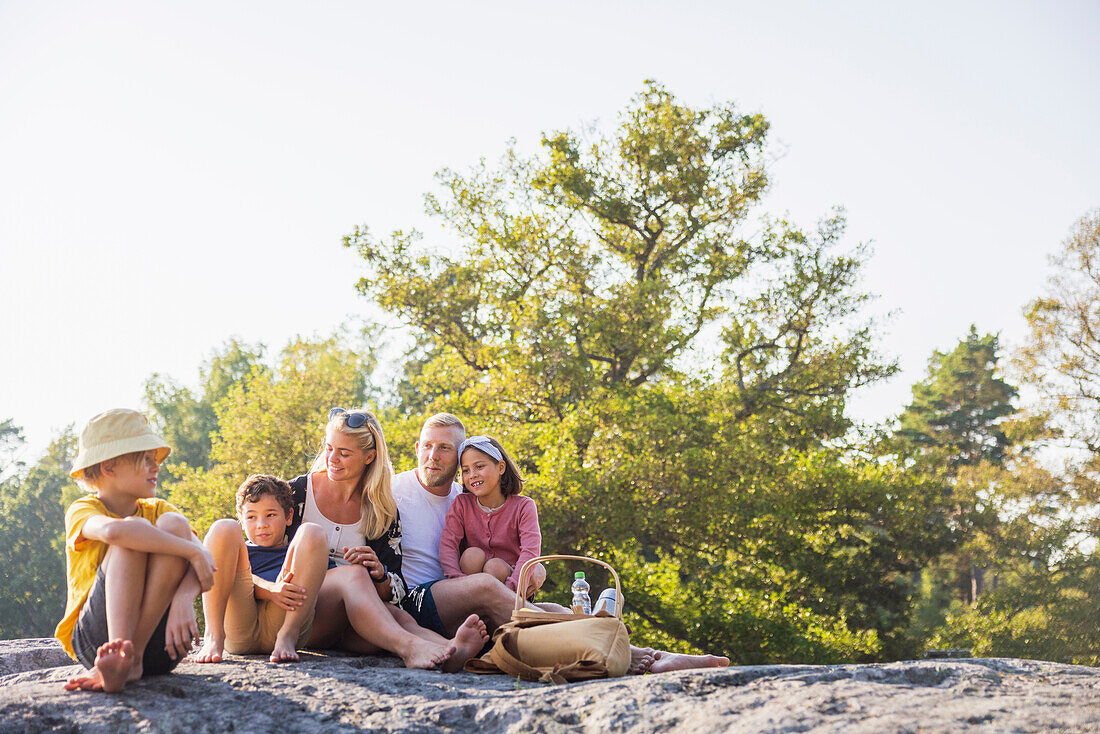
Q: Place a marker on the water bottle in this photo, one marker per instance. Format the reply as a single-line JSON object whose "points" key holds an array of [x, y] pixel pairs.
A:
{"points": [[608, 602], [580, 594]]}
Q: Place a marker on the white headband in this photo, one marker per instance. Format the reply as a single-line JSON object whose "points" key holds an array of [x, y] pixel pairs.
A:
{"points": [[481, 443]]}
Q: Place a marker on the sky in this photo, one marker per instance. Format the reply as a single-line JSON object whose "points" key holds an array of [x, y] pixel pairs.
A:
{"points": [[173, 175]]}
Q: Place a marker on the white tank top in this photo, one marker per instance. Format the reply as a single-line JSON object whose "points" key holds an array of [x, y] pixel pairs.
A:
{"points": [[338, 536]]}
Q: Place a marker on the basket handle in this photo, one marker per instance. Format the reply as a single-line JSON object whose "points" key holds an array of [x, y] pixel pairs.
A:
{"points": [[521, 582]]}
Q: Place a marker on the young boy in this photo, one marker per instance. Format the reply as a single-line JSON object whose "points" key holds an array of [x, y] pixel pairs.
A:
{"points": [[133, 565], [253, 607]]}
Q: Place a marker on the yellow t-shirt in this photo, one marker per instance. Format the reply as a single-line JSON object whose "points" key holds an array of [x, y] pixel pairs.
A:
{"points": [[83, 556]]}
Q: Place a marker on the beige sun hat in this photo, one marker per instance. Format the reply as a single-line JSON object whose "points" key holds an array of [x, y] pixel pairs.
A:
{"points": [[114, 433]]}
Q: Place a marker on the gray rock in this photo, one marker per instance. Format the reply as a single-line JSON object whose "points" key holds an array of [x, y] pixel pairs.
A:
{"points": [[32, 654], [329, 693]]}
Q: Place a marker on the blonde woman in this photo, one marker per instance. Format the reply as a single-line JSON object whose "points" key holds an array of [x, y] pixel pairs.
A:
{"points": [[347, 493]]}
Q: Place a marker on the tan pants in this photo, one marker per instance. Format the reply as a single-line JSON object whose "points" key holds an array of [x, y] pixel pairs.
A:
{"points": [[252, 626]]}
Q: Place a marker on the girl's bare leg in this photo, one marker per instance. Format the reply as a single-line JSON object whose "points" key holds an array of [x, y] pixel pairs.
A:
{"points": [[471, 561], [498, 569]]}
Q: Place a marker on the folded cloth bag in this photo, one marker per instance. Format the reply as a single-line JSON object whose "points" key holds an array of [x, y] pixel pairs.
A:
{"points": [[556, 647]]}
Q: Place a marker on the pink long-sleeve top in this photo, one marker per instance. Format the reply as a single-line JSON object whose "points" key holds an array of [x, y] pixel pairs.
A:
{"points": [[511, 533]]}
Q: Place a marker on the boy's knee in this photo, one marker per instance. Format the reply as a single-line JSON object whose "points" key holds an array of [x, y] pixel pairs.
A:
{"points": [[310, 535], [221, 530], [174, 523]]}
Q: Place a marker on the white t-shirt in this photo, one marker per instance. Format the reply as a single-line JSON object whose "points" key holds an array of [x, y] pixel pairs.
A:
{"points": [[422, 516]]}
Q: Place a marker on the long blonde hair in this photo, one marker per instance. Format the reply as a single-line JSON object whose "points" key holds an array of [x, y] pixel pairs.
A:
{"points": [[379, 508]]}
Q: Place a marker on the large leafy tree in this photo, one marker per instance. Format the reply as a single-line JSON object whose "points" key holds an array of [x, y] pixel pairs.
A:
{"points": [[606, 263], [669, 368]]}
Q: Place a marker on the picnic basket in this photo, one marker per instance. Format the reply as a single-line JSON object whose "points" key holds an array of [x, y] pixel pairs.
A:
{"points": [[558, 647]]}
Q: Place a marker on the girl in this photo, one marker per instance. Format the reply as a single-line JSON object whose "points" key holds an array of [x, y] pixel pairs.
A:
{"points": [[490, 527]]}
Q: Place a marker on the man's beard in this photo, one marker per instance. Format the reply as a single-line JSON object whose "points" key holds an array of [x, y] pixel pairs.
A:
{"points": [[438, 478]]}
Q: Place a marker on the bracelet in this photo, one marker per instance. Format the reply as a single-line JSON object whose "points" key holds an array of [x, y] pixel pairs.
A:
{"points": [[378, 581]]}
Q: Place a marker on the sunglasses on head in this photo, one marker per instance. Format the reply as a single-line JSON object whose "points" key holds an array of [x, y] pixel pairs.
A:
{"points": [[353, 420]]}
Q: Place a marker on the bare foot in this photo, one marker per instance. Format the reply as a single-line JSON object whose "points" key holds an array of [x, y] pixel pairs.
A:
{"points": [[284, 651], [468, 641], [666, 661], [641, 660], [113, 661], [426, 655], [210, 652]]}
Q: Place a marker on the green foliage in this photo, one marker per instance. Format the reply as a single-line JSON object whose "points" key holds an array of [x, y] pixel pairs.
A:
{"points": [[957, 412], [1043, 614], [665, 468], [32, 563], [676, 608], [270, 422], [592, 281], [599, 263]]}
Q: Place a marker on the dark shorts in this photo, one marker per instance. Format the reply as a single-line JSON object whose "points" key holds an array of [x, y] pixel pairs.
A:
{"points": [[91, 632], [421, 605]]}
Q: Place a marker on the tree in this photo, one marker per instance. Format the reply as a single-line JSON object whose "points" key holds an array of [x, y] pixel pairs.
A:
{"points": [[600, 263], [32, 560], [957, 412], [11, 436], [668, 377], [957, 421], [1062, 355]]}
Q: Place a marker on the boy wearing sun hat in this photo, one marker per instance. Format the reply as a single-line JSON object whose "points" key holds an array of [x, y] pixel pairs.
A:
{"points": [[133, 565]]}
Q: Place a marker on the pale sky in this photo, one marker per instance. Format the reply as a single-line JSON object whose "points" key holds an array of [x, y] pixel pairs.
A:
{"points": [[176, 174]]}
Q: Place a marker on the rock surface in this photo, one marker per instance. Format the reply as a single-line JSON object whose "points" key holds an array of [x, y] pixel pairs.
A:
{"points": [[343, 694]]}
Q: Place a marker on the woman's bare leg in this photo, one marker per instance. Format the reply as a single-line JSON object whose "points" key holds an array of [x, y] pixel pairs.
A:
{"points": [[349, 588], [468, 640]]}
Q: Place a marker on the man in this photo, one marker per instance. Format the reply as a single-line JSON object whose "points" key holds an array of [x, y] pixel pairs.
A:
{"points": [[423, 497]]}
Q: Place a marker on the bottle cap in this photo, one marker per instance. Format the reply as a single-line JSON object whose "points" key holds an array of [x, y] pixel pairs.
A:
{"points": [[579, 575]]}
